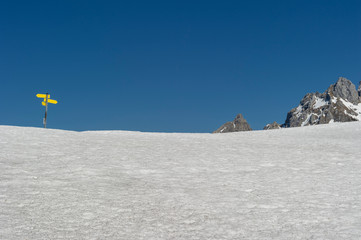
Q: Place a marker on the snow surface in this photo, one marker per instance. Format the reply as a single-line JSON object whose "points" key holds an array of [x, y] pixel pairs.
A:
{"points": [[296, 183]]}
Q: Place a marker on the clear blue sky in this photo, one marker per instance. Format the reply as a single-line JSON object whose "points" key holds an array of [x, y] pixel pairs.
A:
{"points": [[171, 66]]}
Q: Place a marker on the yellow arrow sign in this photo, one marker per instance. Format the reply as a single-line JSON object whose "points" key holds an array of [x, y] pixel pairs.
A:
{"points": [[45, 102], [49, 101], [42, 95], [52, 101]]}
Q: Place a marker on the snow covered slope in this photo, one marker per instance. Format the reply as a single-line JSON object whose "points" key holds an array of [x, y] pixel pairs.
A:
{"points": [[297, 183]]}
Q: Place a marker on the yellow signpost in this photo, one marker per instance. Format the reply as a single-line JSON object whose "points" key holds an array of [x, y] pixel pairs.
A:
{"points": [[47, 100], [42, 95]]}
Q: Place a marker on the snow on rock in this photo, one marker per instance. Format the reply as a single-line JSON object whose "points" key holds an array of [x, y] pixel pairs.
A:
{"points": [[298, 111], [296, 183], [271, 126], [237, 125], [356, 109], [334, 100], [319, 103], [337, 103]]}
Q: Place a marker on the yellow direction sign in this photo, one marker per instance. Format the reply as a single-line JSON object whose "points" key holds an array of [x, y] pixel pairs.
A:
{"points": [[47, 100], [42, 95], [52, 101]]}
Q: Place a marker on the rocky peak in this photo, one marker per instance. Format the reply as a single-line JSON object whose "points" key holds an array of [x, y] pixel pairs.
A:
{"points": [[344, 89], [273, 125], [339, 103], [237, 125], [240, 119]]}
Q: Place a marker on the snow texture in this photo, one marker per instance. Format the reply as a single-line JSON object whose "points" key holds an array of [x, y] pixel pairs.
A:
{"points": [[296, 183]]}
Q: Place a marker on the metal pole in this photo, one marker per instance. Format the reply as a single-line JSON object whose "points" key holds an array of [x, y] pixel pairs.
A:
{"points": [[46, 108]]}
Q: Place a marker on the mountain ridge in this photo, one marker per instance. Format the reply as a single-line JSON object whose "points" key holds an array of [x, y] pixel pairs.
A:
{"points": [[239, 124], [341, 102]]}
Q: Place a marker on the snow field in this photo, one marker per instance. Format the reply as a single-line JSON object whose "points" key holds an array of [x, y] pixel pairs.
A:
{"points": [[299, 183]]}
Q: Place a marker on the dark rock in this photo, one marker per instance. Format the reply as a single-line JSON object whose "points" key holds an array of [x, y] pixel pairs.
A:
{"points": [[273, 125], [237, 125]]}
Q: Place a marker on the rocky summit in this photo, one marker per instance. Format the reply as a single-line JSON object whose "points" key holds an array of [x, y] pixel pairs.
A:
{"points": [[273, 125], [341, 102], [237, 125]]}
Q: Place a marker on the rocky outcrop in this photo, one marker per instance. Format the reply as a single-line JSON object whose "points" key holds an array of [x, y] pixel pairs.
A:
{"points": [[339, 103], [237, 125], [344, 89], [273, 125]]}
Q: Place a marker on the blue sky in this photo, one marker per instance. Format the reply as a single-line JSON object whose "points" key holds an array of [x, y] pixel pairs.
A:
{"points": [[171, 66]]}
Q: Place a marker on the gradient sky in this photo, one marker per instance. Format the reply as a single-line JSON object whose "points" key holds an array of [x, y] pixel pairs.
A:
{"points": [[171, 66]]}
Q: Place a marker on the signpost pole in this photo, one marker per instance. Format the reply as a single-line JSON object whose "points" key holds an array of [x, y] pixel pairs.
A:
{"points": [[45, 103], [46, 109]]}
